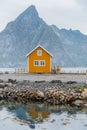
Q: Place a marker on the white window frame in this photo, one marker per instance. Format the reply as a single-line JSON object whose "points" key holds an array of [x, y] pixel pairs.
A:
{"points": [[39, 52], [36, 63], [39, 62]]}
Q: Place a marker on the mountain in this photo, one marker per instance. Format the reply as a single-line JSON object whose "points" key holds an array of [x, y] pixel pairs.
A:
{"points": [[28, 30], [75, 44]]}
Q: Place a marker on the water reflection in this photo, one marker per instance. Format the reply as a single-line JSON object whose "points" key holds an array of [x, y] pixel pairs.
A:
{"points": [[41, 115]]}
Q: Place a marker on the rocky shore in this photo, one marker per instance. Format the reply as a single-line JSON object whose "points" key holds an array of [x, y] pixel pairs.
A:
{"points": [[54, 92]]}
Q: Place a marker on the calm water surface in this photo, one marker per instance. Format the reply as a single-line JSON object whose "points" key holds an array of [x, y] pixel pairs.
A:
{"points": [[41, 117]]}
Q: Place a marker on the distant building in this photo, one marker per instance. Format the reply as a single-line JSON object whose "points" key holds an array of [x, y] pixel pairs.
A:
{"points": [[39, 60]]}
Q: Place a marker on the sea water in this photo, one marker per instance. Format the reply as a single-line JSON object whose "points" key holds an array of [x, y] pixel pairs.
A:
{"points": [[15, 116]]}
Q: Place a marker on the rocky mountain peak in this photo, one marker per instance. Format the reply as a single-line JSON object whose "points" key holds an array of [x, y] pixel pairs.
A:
{"points": [[27, 20], [69, 47]]}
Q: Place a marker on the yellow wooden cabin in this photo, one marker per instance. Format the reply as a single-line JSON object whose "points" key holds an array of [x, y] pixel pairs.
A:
{"points": [[39, 60]]}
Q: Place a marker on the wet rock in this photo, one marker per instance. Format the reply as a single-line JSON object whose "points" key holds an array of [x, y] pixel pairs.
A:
{"points": [[25, 82], [85, 125], [11, 81], [56, 81], [41, 81], [65, 123], [52, 121], [71, 82]]}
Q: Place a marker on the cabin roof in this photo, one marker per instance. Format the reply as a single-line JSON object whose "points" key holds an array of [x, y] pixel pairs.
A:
{"points": [[42, 48]]}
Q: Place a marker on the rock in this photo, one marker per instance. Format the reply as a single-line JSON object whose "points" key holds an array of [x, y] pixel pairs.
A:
{"points": [[85, 125], [1, 91], [41, 81], [84, 93], [8, 84], [71, 82], [1, 81], [40, 94], [65, 123], [85, 104], [38, 91], [52, 121], [1, 97], [12, 81], [2, 85], [78, 102], [56, 81], [26, 81]]}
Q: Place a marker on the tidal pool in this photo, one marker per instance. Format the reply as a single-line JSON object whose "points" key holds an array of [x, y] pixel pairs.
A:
{"points": [[14, 116]]}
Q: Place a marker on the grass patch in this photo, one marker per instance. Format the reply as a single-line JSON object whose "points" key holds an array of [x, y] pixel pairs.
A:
{"points": [[79, 87], [83, 87]]}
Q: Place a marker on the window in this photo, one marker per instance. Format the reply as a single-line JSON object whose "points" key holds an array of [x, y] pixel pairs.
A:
{"points": [[36, 63], [39, 62], [42, 63], [39, 52]]}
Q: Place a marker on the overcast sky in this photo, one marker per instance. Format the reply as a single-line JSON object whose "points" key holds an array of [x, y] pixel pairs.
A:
{"points": [[63, 13]]}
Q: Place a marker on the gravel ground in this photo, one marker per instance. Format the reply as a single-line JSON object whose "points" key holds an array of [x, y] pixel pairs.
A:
{"points": [[81, 78]]}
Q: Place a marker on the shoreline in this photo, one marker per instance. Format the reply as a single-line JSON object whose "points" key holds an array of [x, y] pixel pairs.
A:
{"points": [[54, 92]]}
